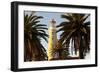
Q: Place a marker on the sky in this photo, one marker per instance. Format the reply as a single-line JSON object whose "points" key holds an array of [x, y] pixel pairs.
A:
{"points": [[47, 16]]}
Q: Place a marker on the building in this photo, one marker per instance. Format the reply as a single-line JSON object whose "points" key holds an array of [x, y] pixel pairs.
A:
{"points": [[52, 41]]}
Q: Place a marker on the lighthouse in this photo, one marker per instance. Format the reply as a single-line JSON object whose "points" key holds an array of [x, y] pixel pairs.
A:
{"points": [[52, 41]]}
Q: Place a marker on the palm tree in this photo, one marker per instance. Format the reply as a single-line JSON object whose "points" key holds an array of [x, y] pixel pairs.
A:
{"points": [[33, 33], [77, 28]]}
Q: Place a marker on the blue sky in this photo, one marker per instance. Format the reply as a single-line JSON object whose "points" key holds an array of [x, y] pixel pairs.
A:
{"points": [[50, 15], [47, 17]]}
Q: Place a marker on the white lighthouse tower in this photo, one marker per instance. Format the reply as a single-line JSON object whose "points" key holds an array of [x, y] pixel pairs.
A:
{"points": [[52, 40]]}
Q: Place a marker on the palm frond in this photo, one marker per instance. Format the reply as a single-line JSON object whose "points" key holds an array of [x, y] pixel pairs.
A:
{"points": [[76, 28], [63, 24], [67, 17]]}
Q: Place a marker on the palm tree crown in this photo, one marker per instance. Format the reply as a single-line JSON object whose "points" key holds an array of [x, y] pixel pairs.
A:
{"points": [[77, 28], [33, 33]]}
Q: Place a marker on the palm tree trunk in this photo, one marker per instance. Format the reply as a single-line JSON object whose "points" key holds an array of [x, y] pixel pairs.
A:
{"points": [[81, 56]]}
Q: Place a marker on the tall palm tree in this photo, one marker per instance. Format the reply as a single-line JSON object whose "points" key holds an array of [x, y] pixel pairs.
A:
{"points": [[33, 33], [77, 28]]}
